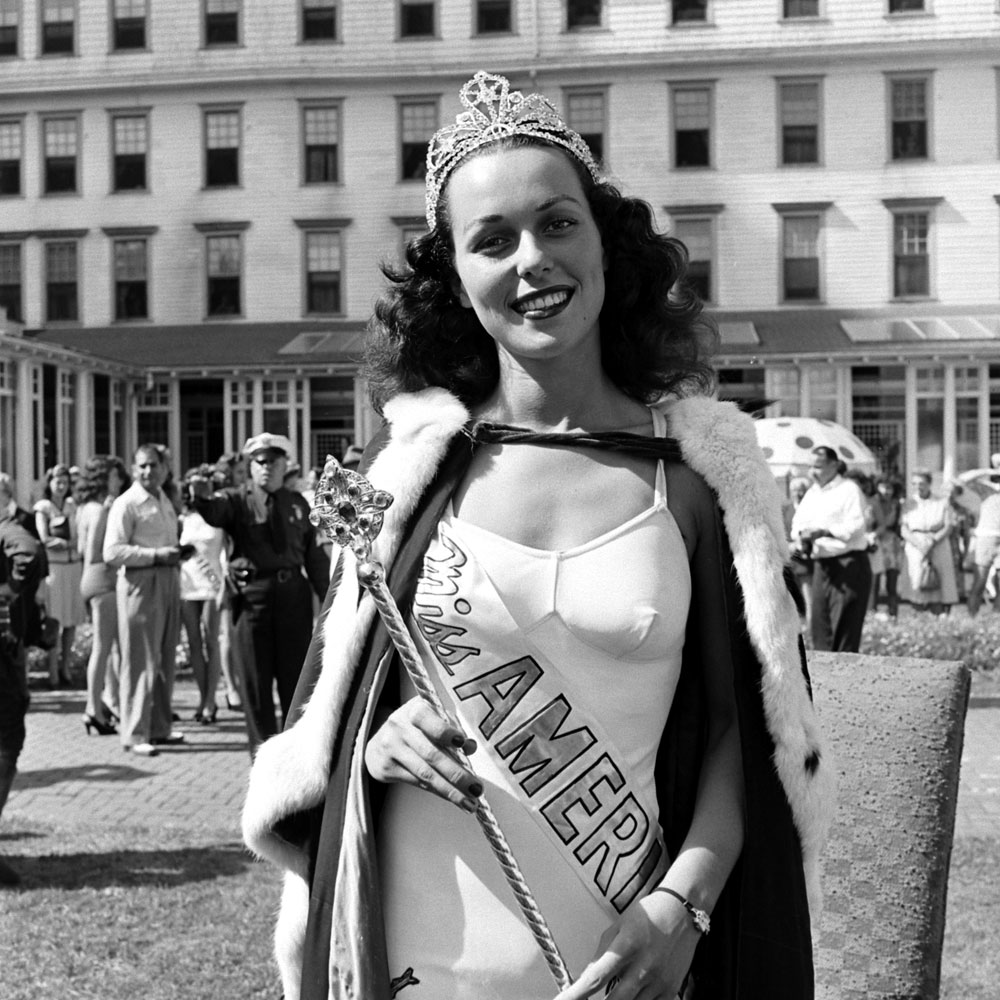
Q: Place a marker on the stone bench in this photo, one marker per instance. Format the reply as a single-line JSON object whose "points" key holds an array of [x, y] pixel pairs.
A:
{"points": [[895, 727]]}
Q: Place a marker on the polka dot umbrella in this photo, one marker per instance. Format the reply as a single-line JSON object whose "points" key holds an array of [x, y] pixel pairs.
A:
{"points": [[787, 443]]}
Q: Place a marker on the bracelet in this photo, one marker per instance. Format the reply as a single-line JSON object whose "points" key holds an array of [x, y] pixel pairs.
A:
{"points": [[699, 918]]}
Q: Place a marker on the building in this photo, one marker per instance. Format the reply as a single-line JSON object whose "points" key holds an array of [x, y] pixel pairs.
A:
{"points": [[195, 196]]}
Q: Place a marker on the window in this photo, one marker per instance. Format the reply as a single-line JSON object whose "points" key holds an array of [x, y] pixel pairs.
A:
{"points": [[905, 6], [222, 148], [417, 123], [131, 291], [222, 22], [58, 26], [131, 141], [692, 121], [800, 258], [59, 144], [9, 22], [688, 11], [698, 236], [129, 27], [911, 254], [323, 254], [319, 21], [799, 111], [585, 114], [908, 96], [416, 20], [321, 132], [224, 275], [61, 292], [10, 281], [410, 228], [11, 152], [583, 14], [493, 16], [801, 8]]}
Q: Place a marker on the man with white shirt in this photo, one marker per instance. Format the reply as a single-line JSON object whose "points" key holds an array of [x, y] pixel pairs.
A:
{"points": [[829, 527], [141, 538]]}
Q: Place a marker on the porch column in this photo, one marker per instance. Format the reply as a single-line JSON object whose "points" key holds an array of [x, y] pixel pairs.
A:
{"points": [[27, 434], [85, 416]]}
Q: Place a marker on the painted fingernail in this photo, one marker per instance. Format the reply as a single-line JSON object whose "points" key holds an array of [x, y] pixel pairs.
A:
{"points": [[470, 805], [458, 742], [476, 789]]}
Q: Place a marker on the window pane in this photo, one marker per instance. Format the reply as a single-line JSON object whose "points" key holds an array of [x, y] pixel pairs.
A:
{"points": [[10, 280], [57, 26], [493, 15], [10, 158], [583, 13], [319, 21], [418, 123], [222, 138], [801, 8], [696, 235], [222, 22], [60, 137], [689, 10], [416, 19], [130, 259], [909, 119], [691, 127], [130, 134], [912, 260], [9, 10], [900, 6], [223, 256], [585, 114], [60, 281], [222, 129]]}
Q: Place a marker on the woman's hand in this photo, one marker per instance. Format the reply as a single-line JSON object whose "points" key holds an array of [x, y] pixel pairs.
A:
{"points": [[647, 952], [56, 544], [416, 745]]}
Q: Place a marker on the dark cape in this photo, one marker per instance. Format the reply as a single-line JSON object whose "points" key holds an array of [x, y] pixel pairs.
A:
{"points": [[312, 809]]}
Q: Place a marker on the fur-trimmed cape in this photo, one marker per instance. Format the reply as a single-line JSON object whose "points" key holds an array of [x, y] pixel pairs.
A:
{"points": [[314, 763]]}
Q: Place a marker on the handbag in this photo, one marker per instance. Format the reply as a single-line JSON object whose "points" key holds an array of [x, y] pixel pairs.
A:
{"points": [[43, 630], [930, 579]]}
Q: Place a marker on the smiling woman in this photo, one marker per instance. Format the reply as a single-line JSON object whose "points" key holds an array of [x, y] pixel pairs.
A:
{"points": [[601, 607]]}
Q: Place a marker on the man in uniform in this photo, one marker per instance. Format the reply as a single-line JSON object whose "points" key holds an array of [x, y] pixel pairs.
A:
{"points": [[22, 566], [829, 527], [276, 557]]}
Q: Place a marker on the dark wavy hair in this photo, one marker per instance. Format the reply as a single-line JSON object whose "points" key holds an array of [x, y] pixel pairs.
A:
{"points": [[654, 338], [92, 483], [59, 469]]}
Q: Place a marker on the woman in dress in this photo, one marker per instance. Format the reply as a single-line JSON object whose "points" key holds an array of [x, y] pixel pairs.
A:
{"points": [[202, 591], [556, 543], [102, 479], [888, 560], [926, 525], [55, 521]]}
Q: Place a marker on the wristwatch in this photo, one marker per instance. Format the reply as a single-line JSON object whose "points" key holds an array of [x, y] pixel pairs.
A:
{"points": [[699, 918]]}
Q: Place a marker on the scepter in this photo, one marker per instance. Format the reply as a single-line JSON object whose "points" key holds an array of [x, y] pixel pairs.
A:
{"points": [[351, 511]]}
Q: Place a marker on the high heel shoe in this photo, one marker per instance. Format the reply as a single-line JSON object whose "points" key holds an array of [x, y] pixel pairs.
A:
{"points": [[234, 706], [208, 716], [109, 714], [103, 728]]}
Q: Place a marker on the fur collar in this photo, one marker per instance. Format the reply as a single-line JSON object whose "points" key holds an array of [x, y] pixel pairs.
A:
{"points": [[291, 770]]}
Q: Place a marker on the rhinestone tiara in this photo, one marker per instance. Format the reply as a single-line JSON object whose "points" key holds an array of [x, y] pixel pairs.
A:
{"points": [[494, 111]]}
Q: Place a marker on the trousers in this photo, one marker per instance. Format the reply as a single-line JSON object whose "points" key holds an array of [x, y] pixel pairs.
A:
{"points": [[840, 588], [148, 632], [271, 636]]}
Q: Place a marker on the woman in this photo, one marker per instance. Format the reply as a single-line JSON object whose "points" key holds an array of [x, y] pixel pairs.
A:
{"points": [[926, 525], [102, 479], [589, 593], [55, 521], [202, 591], [888, 560], [230, 470]]}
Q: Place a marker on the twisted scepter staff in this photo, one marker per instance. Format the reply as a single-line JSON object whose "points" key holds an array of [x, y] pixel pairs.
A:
{"points": [[351, 511]]}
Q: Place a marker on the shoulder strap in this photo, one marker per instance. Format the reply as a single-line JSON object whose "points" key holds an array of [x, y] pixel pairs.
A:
{"points": [[665, 448]]}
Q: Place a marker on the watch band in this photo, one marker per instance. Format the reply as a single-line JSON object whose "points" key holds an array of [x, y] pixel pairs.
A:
{"points": [[699, 918]]}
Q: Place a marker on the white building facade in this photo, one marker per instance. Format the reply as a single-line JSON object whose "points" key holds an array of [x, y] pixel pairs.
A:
{"points": [[195, 196]]}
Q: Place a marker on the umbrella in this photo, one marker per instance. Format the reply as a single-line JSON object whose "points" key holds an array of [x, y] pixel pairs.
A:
{"points": [[787, 443], [982, 482]]}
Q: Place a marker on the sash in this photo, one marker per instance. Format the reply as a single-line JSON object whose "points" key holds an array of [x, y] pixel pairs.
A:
{"points": [[557, 760]]}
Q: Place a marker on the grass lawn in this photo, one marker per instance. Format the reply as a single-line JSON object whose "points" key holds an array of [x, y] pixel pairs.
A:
{"points": [[135, 913]]}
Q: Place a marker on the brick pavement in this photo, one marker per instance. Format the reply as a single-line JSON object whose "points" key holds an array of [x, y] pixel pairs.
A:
{"points": [[69, 777]]}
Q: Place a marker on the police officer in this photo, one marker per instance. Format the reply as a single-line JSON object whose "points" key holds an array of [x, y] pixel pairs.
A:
{"points": [[22, 565], [276, 556]]}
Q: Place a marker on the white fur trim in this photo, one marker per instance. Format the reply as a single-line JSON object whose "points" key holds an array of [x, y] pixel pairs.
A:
{"points": [[719, 443]]}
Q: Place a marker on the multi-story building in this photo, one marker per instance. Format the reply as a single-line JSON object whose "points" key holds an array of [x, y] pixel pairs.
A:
{"points": [[195, 196]]}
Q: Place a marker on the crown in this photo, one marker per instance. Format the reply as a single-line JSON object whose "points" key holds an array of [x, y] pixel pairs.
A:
{"points": [[494, 111]]}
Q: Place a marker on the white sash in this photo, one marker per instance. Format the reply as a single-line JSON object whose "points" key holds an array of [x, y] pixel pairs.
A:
{"points": [[558, 761]]}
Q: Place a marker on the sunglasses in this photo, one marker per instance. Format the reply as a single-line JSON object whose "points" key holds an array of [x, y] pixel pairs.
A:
{"points": [[267, 459]]}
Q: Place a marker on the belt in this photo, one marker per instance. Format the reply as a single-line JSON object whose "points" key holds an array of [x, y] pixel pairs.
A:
{"points": [[281, 575]]}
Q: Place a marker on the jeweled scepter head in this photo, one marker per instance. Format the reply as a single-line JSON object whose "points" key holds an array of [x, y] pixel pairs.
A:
{"points": [[349, 509]]}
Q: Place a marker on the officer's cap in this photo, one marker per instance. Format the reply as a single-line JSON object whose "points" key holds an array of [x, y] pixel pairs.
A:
{"points": [[265, 441]]}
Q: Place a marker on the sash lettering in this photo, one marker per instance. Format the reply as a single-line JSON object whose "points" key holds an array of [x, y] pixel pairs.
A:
{"points": [[566, 771]]}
